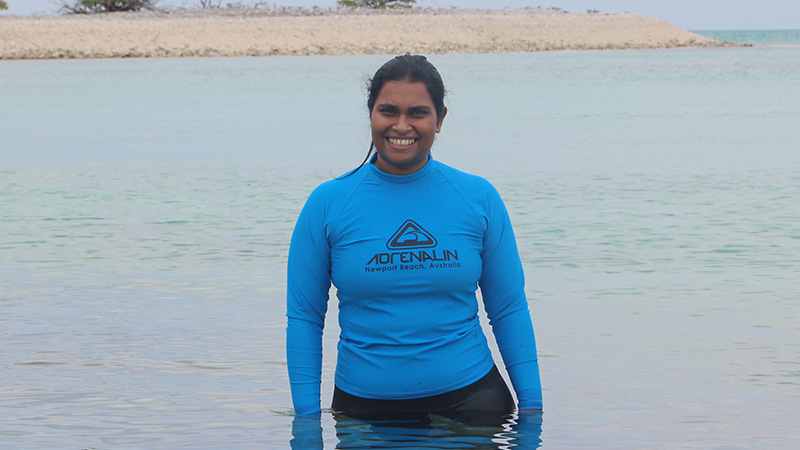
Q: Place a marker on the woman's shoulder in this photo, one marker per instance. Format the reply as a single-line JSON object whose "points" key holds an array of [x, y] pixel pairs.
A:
{"points": [[465, 180], [339, 187]]}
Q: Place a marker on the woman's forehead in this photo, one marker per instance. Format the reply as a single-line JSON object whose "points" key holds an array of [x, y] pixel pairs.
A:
{"points": [[404, 92]]}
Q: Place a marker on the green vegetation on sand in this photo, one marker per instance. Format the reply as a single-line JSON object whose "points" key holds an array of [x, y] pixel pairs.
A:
{"points": [[377, 4], [98, 6]]}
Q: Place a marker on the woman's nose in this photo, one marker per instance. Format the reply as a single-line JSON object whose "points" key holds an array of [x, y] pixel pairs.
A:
{"points": [[402, 125]]}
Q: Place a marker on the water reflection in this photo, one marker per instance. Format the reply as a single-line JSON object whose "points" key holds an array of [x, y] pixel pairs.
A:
{"points": [[430, 432]]}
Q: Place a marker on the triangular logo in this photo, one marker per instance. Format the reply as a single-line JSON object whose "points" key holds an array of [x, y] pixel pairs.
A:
{"points": [[411, 235]]}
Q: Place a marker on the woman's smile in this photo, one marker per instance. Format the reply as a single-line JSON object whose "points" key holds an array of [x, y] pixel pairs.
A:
{"points": [[401, 142]]}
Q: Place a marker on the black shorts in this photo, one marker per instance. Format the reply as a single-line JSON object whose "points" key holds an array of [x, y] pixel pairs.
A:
{"points": [[487, 397]]}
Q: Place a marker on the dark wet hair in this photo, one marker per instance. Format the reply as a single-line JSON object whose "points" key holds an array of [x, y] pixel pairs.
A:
{"points": [[411, 68]]}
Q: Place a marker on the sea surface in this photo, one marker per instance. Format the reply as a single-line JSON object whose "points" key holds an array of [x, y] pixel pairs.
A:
{"points": [[755, 37], [146, 207]]}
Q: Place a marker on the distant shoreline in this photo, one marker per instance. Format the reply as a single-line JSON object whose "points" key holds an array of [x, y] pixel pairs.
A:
{"points": [[317, 31]]}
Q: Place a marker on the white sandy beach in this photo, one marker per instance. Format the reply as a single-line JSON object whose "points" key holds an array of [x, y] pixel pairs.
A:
{"points": [[296, 31]]}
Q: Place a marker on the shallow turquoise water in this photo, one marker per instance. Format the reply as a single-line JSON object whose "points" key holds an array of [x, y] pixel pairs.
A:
{"points": [[755, 37], [146, 208]]}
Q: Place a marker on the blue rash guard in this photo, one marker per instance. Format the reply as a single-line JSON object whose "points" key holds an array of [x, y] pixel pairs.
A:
{"points": [[407, 254]]}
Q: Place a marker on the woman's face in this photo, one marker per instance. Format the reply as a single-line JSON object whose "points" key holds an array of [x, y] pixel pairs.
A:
{"points": [[404, 124]]}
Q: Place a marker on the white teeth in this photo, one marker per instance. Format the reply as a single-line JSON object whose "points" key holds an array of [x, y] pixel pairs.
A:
{"points": [[401, 142]]}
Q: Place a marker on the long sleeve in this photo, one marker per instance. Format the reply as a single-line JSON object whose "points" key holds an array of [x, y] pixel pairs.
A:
{"points": [[308, 283], [502, 285]]}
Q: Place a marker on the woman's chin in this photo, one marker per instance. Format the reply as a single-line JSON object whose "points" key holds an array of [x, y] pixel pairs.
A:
{"points": [[401, 162]]}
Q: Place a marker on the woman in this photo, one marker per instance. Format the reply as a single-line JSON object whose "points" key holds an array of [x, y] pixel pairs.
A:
{"points": [[407, 241]]}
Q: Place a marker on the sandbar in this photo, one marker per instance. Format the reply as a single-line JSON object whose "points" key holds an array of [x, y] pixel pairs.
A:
{"points": [[333, 31]]}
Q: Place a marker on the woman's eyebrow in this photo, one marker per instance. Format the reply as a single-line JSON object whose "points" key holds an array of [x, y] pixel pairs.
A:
{"points": [[410, 108]]}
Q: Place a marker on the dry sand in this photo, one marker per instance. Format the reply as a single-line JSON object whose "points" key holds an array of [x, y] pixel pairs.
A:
{"points": [[297, 31]]}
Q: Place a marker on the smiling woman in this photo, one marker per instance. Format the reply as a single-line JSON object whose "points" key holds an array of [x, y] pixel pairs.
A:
{"points": [[411, 343], [404, 122], [406, 104]]}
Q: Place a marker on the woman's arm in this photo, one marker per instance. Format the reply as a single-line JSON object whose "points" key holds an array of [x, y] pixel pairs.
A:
{"points": [[308, 283], [502, 285]]}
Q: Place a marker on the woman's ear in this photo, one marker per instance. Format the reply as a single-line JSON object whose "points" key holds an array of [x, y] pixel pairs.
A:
{"points": [[440, 119]]}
